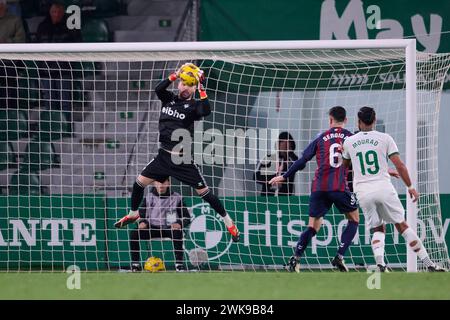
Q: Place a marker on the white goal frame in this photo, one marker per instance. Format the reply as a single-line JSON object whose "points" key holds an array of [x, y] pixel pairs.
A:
{"points": [[409, 45]]}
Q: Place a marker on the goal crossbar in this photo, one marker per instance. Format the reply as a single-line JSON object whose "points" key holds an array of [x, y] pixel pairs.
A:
{"points": [[208, 46]]}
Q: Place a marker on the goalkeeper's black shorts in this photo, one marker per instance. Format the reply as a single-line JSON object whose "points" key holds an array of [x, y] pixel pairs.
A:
{"points": [[161, 167]]}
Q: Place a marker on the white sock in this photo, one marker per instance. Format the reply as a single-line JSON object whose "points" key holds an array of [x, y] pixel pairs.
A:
{"points": [[378, 247], [133, 214], [416, 245], [228, 221]]}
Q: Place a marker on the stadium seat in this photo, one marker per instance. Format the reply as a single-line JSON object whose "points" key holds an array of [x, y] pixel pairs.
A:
{"points": [[53, 125], [13, 125], [7, 156], [24, 183], [95, 30], [108, 8], [40, 155]]}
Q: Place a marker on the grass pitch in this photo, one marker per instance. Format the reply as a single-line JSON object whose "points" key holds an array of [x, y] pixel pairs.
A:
{"points": [[225, 285]]}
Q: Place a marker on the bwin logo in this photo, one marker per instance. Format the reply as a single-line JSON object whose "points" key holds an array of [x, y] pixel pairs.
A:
{"points": [[176, 114]]}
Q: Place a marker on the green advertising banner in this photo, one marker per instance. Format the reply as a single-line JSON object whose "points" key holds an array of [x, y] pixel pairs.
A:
{"points": [[427, 21], [52, 233], [235, 20]]}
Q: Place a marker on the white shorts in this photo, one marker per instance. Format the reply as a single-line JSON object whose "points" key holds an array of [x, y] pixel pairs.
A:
{"points": [[380, 205]]}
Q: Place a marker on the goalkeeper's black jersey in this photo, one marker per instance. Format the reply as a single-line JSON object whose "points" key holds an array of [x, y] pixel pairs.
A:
{"points": [[177, 113]]}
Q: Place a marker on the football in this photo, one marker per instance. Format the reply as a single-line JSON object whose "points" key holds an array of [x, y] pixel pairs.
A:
{"points": [[154, 264], [189, 74]]}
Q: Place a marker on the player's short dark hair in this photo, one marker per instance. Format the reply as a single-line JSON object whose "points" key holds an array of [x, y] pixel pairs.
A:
{"points": [[338, 113], [367, 115]]}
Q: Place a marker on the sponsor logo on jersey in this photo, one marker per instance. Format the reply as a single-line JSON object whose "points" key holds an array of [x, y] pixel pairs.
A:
{"points": [[173, 113]]}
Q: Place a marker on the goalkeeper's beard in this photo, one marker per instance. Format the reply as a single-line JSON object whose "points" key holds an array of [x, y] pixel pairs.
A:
{"points": [[185, 95]]}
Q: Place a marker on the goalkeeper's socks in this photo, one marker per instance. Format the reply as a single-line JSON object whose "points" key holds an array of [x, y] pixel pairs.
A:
{"points": [[214, 202], [378, 247], [347, 236], [304, 240], [131, 217], [136, 195], [133, 214], [227, 220], [416, 245]]}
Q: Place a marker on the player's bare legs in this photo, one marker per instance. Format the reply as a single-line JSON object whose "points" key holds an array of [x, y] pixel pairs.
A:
{"points": [[213, 200], [410, 237], [315, 223], [136, 198], [417, 246], [377, 243]]}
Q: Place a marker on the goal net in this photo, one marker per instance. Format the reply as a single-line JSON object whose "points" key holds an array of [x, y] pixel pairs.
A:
{"points": [[78, 123]]}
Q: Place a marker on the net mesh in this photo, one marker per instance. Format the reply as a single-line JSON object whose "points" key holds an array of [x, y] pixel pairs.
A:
{"points": [[77, 128]]}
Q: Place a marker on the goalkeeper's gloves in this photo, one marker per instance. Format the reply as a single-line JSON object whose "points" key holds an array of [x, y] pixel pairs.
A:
{"points": [[201, 84], [173, 76]]}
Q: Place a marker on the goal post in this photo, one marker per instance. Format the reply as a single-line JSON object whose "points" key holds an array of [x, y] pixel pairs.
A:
{"points": [[411, 142], [82, 120]]}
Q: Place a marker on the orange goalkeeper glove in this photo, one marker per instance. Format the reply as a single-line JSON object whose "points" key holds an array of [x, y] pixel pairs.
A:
{"points": [[201, 84], [176, 74], [173, 76]]}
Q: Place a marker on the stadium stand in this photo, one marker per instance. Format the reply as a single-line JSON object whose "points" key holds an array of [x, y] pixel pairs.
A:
{"points": [[95, 30], [52, 146]]}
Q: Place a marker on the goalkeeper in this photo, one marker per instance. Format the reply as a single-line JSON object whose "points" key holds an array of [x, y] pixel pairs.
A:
{"points": [[177, 115]]}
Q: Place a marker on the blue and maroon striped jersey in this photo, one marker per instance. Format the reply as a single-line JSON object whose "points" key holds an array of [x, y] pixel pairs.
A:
{"points": [[330, 174]]}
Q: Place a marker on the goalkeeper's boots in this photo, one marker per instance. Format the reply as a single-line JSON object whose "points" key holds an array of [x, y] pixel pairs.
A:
{"points": [[129, 218], [436, 268], [293, 264], [235, 234], [339, 263], [136, 267]]}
